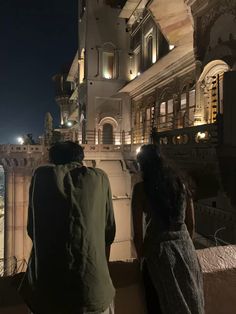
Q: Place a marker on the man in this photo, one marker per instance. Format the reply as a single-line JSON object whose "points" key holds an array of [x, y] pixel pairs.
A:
{"points": [[71, 224]]}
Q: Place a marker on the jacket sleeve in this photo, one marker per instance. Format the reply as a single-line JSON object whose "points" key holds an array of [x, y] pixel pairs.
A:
{"points": [[110, 230]]}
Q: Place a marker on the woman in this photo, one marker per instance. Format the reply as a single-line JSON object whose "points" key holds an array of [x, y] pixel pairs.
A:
{"points": [[170, 262]]}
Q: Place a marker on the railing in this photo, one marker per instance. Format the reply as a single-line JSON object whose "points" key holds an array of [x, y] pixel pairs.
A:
{"points": [[201, 134], [11, 266], [206, 135], [216, 224], [12, 148]]}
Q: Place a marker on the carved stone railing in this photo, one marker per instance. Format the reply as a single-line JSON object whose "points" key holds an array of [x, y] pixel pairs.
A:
{"points": [[216, 224], [205, 134], [11, 266], [12, 148], [202, 135]]}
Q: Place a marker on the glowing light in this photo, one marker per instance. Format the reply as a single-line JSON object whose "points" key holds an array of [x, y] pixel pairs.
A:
{"points": [[20, 140], [69, 123], [138, 150], [154, 59], [171, 47], [201, 135], [107, 76], [138, 73], [178, 137]]}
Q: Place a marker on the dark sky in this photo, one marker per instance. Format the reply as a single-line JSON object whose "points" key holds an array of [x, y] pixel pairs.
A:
{"points": [[36, 39]]}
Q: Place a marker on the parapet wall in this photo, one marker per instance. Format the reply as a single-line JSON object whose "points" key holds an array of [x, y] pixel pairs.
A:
{"points": [[219, 273]]}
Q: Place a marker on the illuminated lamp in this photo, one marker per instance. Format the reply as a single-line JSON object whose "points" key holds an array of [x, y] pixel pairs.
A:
{"points": [[201, 135], [69, 123]]}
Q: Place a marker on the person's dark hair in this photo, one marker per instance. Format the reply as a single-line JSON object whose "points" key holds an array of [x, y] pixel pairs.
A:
{"points": [[63, 153], [163, 186]]}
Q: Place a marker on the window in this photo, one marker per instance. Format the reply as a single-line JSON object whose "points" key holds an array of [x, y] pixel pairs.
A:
{"points": [[183, 102], [137, 61], [108, 62], [170, 106], [162, 114], [166, 114], [107, 134], [149, 50], [137, 118], [185, 117], [149, 121], [191, 106], [170, 113]]}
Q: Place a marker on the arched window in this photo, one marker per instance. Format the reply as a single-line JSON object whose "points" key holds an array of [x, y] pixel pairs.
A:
{"points": [[211, 83], [166, 114], [107, 133], [185, 116]]}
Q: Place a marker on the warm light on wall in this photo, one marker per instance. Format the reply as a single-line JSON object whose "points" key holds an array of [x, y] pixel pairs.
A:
{"points": [[107, 76], [138, 150]]}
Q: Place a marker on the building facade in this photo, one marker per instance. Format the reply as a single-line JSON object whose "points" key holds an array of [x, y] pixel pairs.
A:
{"points": [[164, 71]]}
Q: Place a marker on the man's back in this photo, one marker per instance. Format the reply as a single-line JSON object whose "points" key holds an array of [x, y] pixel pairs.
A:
{"points": [[71, 222]]}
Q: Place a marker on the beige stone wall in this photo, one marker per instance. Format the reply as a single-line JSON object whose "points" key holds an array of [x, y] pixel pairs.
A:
{"points": [[219, 273], [120, 180]]}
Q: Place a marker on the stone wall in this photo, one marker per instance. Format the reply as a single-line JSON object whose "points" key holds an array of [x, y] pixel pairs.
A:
{"points": [[219, 273]]}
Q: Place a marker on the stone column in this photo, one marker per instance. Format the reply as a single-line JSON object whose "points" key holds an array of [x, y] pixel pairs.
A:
{"points": [[9, 219], [199, 113], [18, 215], [27, 240]]}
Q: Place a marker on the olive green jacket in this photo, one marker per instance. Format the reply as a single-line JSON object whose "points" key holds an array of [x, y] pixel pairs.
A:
{"points": [[70, 222]]}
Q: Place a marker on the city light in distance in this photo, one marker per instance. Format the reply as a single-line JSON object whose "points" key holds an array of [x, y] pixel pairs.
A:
{"points": [[20, 140]]}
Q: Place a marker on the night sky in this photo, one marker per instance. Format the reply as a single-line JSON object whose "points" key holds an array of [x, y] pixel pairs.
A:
{"points": [[36, 39]]}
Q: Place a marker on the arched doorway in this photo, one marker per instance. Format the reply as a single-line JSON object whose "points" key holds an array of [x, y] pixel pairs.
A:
{"points": [[2, 206], [107, 133], [211, 93]]}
